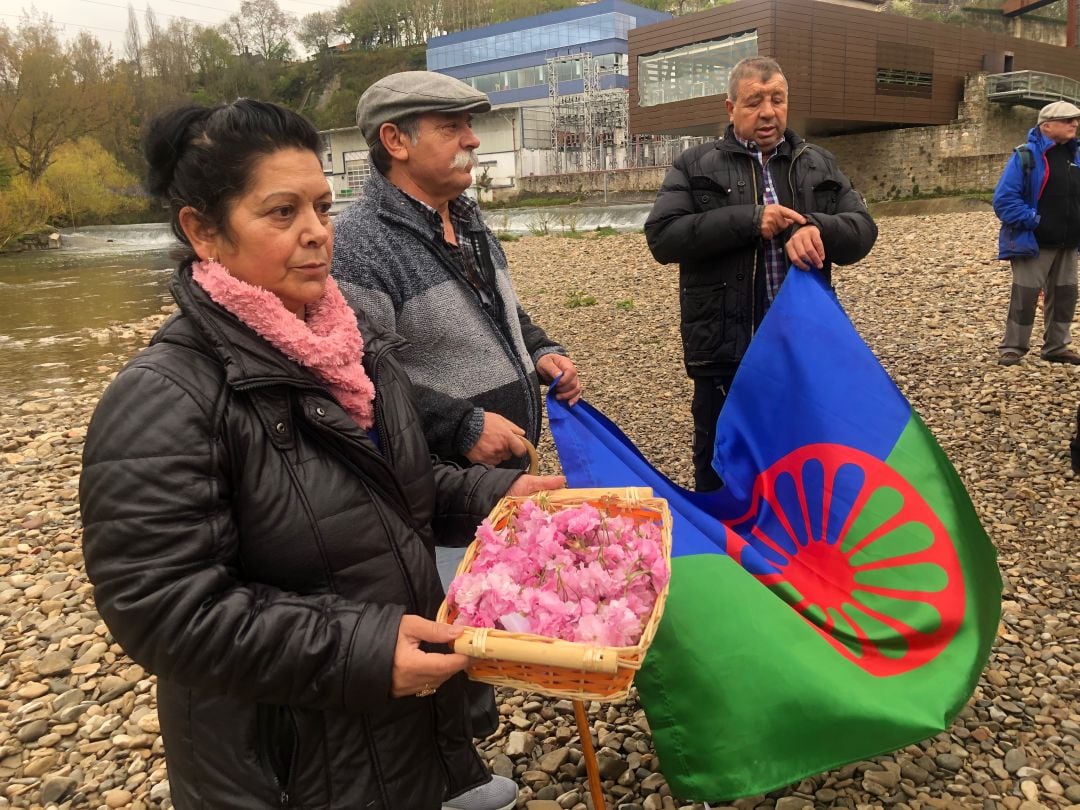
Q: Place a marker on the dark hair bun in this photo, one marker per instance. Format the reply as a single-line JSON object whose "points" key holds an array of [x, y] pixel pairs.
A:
{"points": [[167, 134]]}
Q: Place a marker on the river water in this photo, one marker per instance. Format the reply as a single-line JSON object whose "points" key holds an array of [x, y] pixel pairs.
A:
{"points": [[63, 311]]}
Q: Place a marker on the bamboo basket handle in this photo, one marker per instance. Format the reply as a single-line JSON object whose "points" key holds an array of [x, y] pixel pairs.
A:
{"points": [[476, 642], [534, 457]]}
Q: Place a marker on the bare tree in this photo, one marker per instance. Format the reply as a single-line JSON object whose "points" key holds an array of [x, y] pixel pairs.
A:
{"points": [[262, 28], [133, 43]]}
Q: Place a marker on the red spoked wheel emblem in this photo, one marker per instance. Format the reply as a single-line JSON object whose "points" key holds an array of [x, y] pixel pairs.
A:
{"points": [[853, 547]]}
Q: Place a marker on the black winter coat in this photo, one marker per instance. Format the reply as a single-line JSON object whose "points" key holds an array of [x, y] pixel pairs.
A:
{"points": [[707, 218], [251, 546]]}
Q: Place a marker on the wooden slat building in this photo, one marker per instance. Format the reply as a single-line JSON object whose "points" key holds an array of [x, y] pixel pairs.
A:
{"points": [[848, 69]]}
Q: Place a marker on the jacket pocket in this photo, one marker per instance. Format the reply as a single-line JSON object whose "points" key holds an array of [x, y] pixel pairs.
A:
{"points": [[277, 736], [714, 323], [708, 194], [1016, 243], [826, 197]]}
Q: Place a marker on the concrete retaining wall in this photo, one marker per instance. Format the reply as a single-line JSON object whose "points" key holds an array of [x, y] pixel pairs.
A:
{"points": [[615, 180]]}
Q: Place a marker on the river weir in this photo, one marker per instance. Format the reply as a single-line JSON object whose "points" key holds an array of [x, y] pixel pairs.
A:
{"points": [[61, 309]]}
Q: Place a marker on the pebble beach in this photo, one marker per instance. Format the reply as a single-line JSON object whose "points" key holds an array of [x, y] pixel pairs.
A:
{"points": [[78, 721]]}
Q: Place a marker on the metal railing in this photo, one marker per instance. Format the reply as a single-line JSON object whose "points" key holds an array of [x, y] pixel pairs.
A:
{"points": [[1031, 88]]}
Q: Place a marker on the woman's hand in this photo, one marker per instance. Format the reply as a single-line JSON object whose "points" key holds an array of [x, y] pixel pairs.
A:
{"points": [[528, 484], [416, 671]]}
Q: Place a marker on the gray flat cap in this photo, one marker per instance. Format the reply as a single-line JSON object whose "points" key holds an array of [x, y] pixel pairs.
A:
{"points": [[414, 92], [1058, 110]]}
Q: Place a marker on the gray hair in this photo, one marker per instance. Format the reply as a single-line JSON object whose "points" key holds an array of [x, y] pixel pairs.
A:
{"points": [[377, 154], [762, 67]]}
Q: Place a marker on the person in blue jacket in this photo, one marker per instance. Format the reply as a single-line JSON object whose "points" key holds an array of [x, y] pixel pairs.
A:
{"points": [[1037, 200]]}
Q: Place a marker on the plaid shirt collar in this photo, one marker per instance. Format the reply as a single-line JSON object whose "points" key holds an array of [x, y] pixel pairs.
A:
{"points": [[463, 213]]}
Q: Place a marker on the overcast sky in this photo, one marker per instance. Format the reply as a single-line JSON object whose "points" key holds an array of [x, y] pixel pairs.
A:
{"points": [[107, 19]]}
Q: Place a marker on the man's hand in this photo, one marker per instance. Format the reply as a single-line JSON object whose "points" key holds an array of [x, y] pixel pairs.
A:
{"points": [[805, 248], [415, 670], [778, 218], [528, 484], [550, 366], [498, 441]]}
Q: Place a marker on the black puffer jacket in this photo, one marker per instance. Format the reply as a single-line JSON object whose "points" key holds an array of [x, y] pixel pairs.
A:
{"points": [[250, 546], [706, 218]]}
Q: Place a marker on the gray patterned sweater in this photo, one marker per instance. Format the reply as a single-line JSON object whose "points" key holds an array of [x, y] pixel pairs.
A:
{"points": [[463, 357]]}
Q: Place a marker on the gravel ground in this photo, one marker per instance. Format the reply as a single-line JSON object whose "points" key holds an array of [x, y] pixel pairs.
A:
{"points": [[78, 725]]}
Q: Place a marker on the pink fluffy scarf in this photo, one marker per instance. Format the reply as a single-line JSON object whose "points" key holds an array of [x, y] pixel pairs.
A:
{"points": [[327, 341]]}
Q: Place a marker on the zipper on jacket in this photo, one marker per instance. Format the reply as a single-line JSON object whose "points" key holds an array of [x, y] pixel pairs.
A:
{"points": [[507, 342], [754, 272], [384, 438], [791, 174], [424, 235]]}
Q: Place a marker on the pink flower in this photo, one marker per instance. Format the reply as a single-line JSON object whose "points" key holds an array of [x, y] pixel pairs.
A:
{"points": [[576, 574]]}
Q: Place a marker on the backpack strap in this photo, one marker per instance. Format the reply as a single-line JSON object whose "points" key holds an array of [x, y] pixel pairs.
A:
{"points": [[1027, 163], [1027, 160]]}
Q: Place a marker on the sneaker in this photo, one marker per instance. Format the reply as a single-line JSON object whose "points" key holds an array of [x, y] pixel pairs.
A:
{"points": [[1065, 356], [1008, 359], [498, 794]]}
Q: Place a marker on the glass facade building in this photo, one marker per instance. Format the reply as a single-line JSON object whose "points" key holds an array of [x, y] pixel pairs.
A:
{"points": [[508, 61], [692, 71]]}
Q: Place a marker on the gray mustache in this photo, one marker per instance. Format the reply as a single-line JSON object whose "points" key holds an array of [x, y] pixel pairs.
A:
{"points": [[464, 160]]}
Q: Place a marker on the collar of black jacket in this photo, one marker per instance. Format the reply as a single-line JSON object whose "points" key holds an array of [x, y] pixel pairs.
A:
{"points": [[786, 147]]}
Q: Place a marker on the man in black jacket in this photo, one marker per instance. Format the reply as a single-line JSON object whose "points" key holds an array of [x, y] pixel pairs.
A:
{"points": [[735, 214]]}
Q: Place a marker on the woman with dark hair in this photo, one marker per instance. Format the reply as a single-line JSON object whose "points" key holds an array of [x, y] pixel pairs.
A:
{"points": [[261, 510]]}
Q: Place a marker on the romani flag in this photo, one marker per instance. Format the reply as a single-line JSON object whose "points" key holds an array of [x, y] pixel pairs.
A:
{"points": [[837, 599]]}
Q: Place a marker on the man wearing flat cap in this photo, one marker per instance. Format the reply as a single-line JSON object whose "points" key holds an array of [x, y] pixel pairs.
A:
{"points": [[1038, 202], [415, 256]]}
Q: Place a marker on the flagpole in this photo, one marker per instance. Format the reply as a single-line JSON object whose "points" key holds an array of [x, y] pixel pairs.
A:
{"points": [[585, 730]]}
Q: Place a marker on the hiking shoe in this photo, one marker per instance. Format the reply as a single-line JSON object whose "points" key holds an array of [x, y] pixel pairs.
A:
{"points": [[498, 794], [1008, 359], [1066, 356]]}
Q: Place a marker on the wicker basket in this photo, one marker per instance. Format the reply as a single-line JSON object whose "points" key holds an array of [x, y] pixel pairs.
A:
{"points": [[551, 666]]}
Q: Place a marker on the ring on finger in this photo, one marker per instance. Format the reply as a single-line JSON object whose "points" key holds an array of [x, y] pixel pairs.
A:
{"points": [[427, 690]]}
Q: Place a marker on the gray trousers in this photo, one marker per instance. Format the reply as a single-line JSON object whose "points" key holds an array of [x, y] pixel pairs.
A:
{"points": [[1054, 272]]}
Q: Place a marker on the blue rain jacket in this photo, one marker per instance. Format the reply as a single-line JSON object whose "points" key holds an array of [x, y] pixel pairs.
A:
{"points": [[1016, 198]]}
